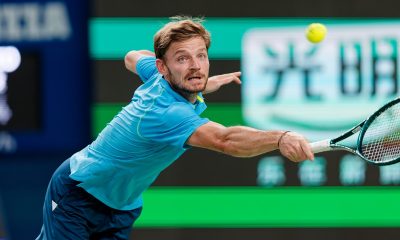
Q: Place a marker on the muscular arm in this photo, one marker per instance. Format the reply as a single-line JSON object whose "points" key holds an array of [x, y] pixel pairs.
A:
{"points": [[132, 57], [248, 142]]}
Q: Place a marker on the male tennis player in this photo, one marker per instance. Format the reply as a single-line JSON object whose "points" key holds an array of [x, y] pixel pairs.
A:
{"points": [[96, 194]]}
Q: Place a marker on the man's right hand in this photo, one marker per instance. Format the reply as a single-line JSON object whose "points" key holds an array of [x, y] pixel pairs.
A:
{"points": [[295, 147]]}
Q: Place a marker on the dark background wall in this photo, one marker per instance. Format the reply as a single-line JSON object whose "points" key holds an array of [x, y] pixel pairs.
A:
{"points": [[252, 8]]}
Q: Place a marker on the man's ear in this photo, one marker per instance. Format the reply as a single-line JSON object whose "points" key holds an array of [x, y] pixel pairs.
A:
{"points": [[162, 68]]}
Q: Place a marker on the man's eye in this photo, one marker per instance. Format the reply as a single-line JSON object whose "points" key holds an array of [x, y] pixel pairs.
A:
{"points": [[182, 59]]}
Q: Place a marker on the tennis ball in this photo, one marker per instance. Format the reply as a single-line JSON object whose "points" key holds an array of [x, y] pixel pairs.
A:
{"points": [[316, 32]]}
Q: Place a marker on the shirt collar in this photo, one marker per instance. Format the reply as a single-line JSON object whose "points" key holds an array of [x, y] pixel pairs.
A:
{"points": [[199, 106]]}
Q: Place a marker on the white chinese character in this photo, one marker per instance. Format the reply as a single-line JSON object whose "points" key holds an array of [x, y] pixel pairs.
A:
{"points": [[313, 173], [271, 171], [352, 170], [390, 174]]}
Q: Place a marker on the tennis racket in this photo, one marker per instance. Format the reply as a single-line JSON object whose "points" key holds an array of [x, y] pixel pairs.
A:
{"points": [[376, 139]]}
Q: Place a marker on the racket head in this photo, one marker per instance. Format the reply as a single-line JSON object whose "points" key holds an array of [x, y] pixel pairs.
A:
{"points": [[379, 139]]}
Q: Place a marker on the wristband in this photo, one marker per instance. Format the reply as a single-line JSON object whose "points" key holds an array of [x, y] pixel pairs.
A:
{"points": [[280, 138]]}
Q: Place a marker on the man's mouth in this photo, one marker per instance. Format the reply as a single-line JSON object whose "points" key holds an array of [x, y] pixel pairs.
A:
{"points": [[194, 78]]}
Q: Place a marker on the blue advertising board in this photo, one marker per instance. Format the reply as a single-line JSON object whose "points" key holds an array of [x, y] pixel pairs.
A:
{"points": [[44, 76]]}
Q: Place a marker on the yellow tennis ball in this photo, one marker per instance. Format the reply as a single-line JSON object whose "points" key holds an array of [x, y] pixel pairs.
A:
{"points": [[316, 32]]}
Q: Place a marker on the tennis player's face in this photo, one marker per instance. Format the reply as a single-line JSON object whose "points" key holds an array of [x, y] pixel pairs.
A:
{"points": [[186, 65]]}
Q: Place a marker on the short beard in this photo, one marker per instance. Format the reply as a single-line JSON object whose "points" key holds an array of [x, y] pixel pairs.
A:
{"points": [[182, 89]]}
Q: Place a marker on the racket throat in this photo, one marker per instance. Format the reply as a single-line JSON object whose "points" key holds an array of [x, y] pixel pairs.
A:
{"points": [[321, 146]]}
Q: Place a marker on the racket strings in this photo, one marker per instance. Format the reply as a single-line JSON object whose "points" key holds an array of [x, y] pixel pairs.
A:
{"points": [[381, 142]]}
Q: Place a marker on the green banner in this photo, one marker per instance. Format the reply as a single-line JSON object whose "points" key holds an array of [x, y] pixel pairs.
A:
{"points": [[112, 38], [253, 207]]}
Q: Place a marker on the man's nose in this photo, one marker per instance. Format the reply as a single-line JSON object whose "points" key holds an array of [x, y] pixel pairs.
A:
{"points": [[194, 64]]}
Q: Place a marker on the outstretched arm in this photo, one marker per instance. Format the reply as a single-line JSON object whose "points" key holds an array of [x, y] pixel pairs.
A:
{"points": [[132, 57], [248, 142], [215, 82]]}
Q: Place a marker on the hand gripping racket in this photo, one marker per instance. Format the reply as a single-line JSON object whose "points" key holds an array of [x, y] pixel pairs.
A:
{"points": [[378, 140]]}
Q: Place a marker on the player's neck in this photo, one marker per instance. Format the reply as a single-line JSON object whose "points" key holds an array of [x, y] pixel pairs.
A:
{"points": [[191, 97]]}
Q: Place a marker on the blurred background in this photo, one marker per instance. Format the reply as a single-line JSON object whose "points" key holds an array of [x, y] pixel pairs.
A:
{"points": [[62, 78]]}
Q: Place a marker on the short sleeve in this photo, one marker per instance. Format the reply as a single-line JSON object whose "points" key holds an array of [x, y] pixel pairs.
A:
{"points": [[146, 67], [173, 127]]}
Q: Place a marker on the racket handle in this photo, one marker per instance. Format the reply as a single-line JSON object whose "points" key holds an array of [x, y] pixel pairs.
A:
{"points": [[321, 146]]}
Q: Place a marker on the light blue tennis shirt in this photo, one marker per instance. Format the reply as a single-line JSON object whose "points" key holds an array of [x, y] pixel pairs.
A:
{"points": [[143, 139]]}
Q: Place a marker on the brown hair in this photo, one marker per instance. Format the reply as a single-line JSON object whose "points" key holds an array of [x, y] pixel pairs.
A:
{"points": [[180, 28]]}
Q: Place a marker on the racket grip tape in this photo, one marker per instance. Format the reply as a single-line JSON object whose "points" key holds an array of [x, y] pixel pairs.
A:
{"points": [[321, 146]]}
